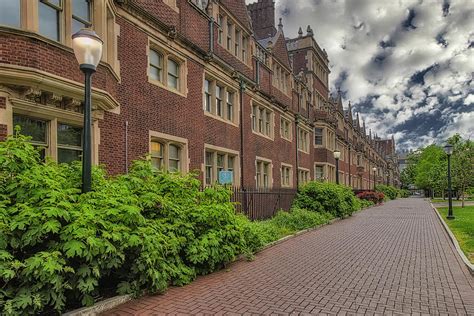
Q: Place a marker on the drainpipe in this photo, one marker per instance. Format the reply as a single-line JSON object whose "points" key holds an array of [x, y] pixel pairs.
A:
{"points": [[350, 176], [126, 146], [211, 36], [296, 143], [257, 74], [242, 172]]}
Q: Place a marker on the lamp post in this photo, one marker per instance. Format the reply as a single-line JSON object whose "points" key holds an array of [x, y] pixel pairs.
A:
{"points": [[87, 48], [387, 174], [448, 149], [337, 155], [374, 169]]}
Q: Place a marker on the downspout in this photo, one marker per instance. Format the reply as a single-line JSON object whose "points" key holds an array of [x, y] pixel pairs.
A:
{"points": [[257, 73], [211, 36], [350, 175], [126, 146], [296, 143], [242, 172]]}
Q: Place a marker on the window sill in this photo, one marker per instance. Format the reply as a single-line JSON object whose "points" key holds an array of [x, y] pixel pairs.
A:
{"points": [[161, 85], [217, 117], [263, 135], [287, 139], [302, 151]]}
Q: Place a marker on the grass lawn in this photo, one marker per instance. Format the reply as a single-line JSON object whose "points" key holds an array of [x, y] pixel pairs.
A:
{"points": [[462, 227], [446, 201]]}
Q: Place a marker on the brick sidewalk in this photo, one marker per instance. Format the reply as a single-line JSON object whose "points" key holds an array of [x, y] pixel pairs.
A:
{"points": [[392, 259]]}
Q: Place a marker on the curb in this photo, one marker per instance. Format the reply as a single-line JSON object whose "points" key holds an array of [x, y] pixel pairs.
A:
{"points": [[466, 261], [100, 307]]}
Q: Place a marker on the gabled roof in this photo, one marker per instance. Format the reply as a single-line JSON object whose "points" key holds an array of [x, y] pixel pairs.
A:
{"points": [[277, 44], [239, 9]]}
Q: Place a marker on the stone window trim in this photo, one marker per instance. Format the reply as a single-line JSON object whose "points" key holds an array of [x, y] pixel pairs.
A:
{"points": [[303, 135], [53, 116], [320, 176], [167, 54], [172, 5], [286, 133], [208, 148], [260, 163], [281, 78], [304, 175], [166, 140], [103, 13], [282, 175], [258, 124], [225, 89], [229, 40]]}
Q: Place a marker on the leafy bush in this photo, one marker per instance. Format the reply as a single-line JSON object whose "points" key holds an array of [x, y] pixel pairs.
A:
{"points": [[389, 191], [335, 199], [283, 224], [372, 196], [403, 193], [365, 203], [134, 233]]}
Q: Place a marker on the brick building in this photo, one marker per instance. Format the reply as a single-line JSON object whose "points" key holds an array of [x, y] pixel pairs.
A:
{"points": [[198, 85]]}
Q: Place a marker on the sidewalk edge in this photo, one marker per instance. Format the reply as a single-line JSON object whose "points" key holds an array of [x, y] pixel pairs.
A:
{"points": [[466, 261]]}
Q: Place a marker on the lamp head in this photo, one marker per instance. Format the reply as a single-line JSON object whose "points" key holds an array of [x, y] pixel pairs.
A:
{"points": [[448, 149], [374, 169], [337, 154], [87, 47]]}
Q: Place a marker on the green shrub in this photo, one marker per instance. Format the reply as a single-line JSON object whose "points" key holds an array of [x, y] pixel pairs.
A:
{"points": [[143, 231], [403, 193], [389, 191], [337, 200], [365, 203]]}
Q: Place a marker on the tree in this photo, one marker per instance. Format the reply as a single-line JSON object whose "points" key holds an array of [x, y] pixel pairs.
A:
{"points": [[431, 168], [463, 164]]}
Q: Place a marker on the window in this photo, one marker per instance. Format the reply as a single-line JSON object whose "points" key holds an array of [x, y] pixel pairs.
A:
{"points": [[263, 174], [286, 176], [219, 100], [81, 15], [303, 137], [285, 129], [230, 106], [262, 120], [219, 110], [207, 95], [166, 70], [237, 42], [35, 128], [69, 143], [229, 36], [318, 136], [216, 161], [303, 176], [10, 12], [220, 20], [245, 41], [43, 133], [173, 74], [49, 18], [319, 172], [156, 65], [166, 154]]}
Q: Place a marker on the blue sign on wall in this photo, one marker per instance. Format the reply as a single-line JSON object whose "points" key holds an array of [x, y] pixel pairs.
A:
{"points": [[226, 177]]}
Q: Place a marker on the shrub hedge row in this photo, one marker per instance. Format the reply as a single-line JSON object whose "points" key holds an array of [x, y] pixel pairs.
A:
{"points": [[134, 233]]}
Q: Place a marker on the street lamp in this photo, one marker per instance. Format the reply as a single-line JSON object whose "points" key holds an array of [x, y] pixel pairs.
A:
{"points": [[387, 174], [337, 155], [449, 151], [87, 48], [374, 169]]}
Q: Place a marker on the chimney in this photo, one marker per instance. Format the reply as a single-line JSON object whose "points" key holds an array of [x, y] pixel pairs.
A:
{"points": [[262, 14]]}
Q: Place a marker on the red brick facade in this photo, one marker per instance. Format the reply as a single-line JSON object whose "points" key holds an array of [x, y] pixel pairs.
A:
{"points": [[144, 108]]}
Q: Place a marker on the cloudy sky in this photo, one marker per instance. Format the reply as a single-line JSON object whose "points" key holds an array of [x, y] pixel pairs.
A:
{"points": [[406, 65]]}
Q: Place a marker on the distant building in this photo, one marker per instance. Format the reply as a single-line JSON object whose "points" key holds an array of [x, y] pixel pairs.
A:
{"points": [[202, 86]]}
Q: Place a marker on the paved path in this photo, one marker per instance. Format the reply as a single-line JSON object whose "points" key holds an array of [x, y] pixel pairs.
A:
{"points": [[393, 259]]}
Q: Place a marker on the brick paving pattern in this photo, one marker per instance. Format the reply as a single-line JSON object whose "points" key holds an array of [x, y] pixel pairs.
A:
{"points": [[395, 259]]}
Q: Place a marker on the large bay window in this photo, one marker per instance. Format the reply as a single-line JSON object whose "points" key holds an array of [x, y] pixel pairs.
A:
{"points": [[81, 15], [217, 160], [262, 120], [219, 100], [319, 173], [50, 13], [303, 176], [10, 13], [61, 141], [232, 37], [318, 136]]}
